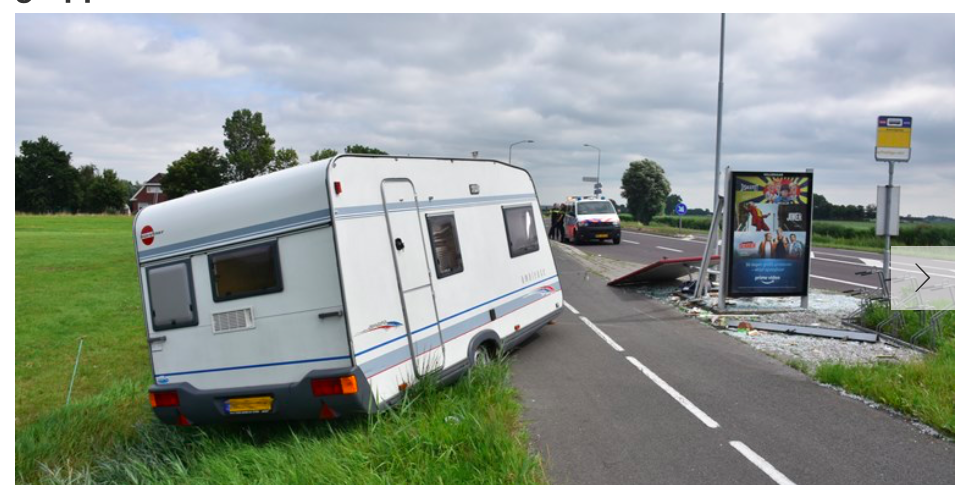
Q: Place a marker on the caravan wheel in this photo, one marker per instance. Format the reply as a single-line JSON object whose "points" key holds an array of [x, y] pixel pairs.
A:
{"points": [[480, 356]]}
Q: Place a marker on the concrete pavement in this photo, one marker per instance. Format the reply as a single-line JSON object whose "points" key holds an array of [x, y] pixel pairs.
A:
{"points": [[599, 417]]}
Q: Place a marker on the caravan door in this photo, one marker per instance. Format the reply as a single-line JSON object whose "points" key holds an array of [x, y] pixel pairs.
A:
{"points": [[410, 257]]}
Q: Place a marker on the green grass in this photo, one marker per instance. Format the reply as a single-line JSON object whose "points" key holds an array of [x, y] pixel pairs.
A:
{"points": [[924, 389], [466, 433], [76, 277], [911, 324]]}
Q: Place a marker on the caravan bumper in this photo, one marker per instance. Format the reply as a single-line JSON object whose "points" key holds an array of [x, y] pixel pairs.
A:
{"points": [[294, 401]]}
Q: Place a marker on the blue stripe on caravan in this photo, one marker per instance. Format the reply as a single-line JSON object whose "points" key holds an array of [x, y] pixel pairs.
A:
{"points": [[377, 209], [295, 222], [252, 366], [392, 358]]}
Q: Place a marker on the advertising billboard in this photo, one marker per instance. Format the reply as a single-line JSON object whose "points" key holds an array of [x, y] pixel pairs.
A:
{"points": [[768, 233]]}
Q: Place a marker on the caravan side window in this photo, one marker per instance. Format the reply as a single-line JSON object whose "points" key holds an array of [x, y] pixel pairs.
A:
{"points": [[246, 271], [170, 289], [446, 245], [520, 230]]}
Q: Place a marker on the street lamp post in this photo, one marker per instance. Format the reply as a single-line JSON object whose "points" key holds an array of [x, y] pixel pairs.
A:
{"points": [[599, 158], [511, 149]]}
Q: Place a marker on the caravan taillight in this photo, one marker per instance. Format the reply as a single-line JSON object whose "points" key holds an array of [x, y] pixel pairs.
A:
{"points": [[338, 188], [164, 399], [334, 385]]}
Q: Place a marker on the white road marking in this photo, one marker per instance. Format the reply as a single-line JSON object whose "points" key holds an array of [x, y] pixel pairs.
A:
{"points": [[761, 463], [834, 280], [839, 255], [812, 255], [686, 403], [646, 234], [875, 263], [571, 307], [612, 343], [851, 263], [627, 241], [669, 249]]}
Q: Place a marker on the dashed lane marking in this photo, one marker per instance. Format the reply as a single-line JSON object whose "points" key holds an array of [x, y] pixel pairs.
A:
{"points": [[761, 463], [686, 403]]}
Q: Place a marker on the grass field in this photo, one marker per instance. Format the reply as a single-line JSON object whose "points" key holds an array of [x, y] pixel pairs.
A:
{"points": [[76, 277], [924, 389]]}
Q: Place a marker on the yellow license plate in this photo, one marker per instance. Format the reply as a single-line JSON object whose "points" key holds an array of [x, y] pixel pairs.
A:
{"points": [[249, 405], [602, 236]]}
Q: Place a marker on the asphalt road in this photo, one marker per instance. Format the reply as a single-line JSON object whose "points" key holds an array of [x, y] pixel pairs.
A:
{"points": [[659, 398], [832, 269]]}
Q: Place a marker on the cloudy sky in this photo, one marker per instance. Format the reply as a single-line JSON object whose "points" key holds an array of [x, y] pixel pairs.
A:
{"points": [[134, 93]]}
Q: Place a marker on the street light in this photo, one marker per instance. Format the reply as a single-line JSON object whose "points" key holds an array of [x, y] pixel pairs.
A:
{"points": [[599, 157], [511, 149]]}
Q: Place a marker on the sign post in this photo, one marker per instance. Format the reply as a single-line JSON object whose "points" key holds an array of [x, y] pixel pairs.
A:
{"points": [[893, 144], [680, 211]]}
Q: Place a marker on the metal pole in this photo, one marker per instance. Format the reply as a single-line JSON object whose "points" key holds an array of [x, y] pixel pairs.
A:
{"points": [[727, 242], [599, 159], [886, 271], [510, 157], [719, 108], [76, 365]]}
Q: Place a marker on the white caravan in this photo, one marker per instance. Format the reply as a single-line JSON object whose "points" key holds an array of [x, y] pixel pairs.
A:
{"points": [[327, 289]]}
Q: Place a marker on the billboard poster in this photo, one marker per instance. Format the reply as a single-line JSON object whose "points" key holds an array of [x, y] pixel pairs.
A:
{"points": [[768, 233]]}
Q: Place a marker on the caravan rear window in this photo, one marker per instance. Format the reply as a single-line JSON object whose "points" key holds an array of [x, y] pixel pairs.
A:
{"points": [[520, 230], [170, 289], [446, 245], [247, 271]]}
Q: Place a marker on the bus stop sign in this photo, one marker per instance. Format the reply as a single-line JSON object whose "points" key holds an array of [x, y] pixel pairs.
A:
{"points": [[894, 139]]}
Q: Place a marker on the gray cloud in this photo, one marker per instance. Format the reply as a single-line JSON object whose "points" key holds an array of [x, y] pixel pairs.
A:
{"points": [[135, 92]]}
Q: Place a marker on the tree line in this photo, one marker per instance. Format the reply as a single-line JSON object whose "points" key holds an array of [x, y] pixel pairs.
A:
{"points": [[249, 151], [647, 191], [46, 182]]}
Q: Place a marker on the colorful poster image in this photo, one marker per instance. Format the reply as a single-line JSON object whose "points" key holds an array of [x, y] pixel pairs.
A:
{"points": [[768, 245]]}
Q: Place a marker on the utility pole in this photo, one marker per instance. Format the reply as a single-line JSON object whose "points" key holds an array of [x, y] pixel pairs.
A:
{"points": [[599, 159], [511, 149], [719, 108]]}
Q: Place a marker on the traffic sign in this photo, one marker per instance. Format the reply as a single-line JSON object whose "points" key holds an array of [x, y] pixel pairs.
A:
{"points": [[680, 209], [590, 179], [894, 139]]}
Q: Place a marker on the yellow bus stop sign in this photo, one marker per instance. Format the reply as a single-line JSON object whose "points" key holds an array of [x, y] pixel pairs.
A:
{"points": [[894, 139]]}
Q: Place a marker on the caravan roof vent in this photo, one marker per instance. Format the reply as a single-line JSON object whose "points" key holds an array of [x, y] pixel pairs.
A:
{"points": [[232, 321]]}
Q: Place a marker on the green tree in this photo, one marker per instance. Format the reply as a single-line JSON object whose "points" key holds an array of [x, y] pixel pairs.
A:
{"points": [[106, 193], [250, 150], [285, 158], [672, 200], [195, 171], [44, 179], [364, 149], [645, 188], [86, 177], [320, 155]]}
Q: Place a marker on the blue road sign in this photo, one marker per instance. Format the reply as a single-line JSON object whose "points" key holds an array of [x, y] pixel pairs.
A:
{"points": [[680, 209]]}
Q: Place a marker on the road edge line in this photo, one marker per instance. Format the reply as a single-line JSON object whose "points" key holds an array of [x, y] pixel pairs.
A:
{"points": [[761, 463], [686, 403], [612, 343]]}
